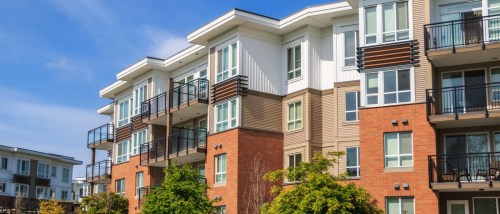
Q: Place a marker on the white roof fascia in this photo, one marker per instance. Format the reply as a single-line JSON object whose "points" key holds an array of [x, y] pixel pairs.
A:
{"points": [[106, 110], [109, 89], [60, 158], [148, 61], [313, 11]]}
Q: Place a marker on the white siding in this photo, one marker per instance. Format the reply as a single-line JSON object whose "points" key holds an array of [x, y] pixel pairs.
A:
{"points": [[315, 61], [327, 64], [342, 73], [190, 68], [301, 82], [159, 85]]}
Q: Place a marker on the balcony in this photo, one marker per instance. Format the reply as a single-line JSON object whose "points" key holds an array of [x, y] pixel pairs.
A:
{"points": [[464, 41], [99, 172], [465, 172], [44, 182], [101, 137], [21, 179], [189, 100], [153, 111], [154, 153], [187, 145], [463, 106]]}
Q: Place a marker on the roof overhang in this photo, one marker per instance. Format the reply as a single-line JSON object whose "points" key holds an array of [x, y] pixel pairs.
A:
{"points": [[60, 158], [185, 56], [116, 87], [106, 110], [139, 68]]}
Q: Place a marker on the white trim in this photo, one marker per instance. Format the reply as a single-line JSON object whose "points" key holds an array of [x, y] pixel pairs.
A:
{"points": [[295, 119], [451, 202], [399, 155], [229, 118], [358, 167], [221, 173]]}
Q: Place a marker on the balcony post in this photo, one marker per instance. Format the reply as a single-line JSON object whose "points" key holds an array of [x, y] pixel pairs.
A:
{"points": [[431, 174], [455, 103], [453, 37]]}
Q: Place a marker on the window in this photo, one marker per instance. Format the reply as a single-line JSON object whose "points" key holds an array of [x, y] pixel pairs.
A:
{"points": [[350, 45], [140, 95], [43, 170], [395, 21], [65, 175], [23, 167], [226, 116], [201, 169], [370, 25], [220, 210], [203, 74], [42, 193], [295, 116], [139, 182], [122, 154], [64, 195], [294, 66], [486, 205], [53, 172], [120, 186], [52, 193], [398, 149], [351, 106], [396, 87], [293, 161], [2, 187], [398, 205], [495, 88], [138, 139], [124, 114], [352, 161], [227, 62], [21, 190], [220, 169], [5, 163]]}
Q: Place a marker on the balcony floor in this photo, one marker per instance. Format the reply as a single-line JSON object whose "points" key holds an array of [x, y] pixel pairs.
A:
{"points": [[466, 186], [464, 55]]}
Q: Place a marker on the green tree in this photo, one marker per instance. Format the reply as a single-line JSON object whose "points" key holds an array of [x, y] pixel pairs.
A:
{"points": [[318, 191], [104, 203], [180, 192], [50, 207]]}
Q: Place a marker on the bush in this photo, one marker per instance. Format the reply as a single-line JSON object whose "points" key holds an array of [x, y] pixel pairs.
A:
{"points": [[104, 203], [51, 207]]}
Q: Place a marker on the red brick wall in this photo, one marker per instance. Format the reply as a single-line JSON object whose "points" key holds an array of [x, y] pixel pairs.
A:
{"points": [[240, 146], [128, 170], [373, 123]]}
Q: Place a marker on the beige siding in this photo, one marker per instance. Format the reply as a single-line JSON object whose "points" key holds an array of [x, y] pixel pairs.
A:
{"points": [[263, 113], [423, 70], [328, 117], [316, 112]]}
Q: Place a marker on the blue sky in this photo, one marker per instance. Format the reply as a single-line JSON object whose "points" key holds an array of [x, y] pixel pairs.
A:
{"points": [[55, 56]]}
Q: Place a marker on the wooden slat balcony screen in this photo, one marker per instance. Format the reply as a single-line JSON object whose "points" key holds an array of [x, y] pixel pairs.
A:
{"points": [[394, 54], [229, 88]]}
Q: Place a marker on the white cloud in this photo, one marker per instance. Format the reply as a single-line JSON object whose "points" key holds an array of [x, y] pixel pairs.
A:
{"points": [[29, 122], [163, 43], [66, 71]]}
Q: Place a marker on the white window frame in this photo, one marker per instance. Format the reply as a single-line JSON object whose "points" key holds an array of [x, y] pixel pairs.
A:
{"points": [[396, 31], [64, 178], [137, 142], [380, 82], [400, 203], [356, 44], [4, 163], [357, 104], [139, 182], [220, 210], [357, 160], [45, 172], [86, 190], [120, 187], [53, 171], [3, 187], [294, 70], [451, 202], [19, 170], [42, 193], [67, 195], [399, 155], [142, 88], [222, 173], [18, 189], [379, 24], [294, 164], [232, 70], [232, 117], [122, 120], [295, 120], [125, 156]]}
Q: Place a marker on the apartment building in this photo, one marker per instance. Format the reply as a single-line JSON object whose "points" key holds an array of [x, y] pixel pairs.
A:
{"points": [[81, 189], [34, 176]]}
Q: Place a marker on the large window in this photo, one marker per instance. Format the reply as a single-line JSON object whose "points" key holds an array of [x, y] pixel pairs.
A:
{"points": [[398, 205], [65, 175], [21, 190], [124, 113], [220, 169], [226, 115], [486, 205], [293, 161], [395, 21], [53, 172], [294, 116], [4, 163], [42, 193], [350, 45], [139, 182], [140, 95], [294, 57], [352, 161], [64, 195], [396, 87], [23, 167], [227, 62], [138, 139], [122, 154], [398, 149], [43, 170], [370, 25], [120, 186], [351, 106]]}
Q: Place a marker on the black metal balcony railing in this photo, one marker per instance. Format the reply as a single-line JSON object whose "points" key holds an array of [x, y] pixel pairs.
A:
{"points": [[464, 167], [184, 139], [154, 106], [104, 133], [463, 99], [153, 151], [193, 90], [458, 33], [20, 178], [99, 170], [141, 195]]}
